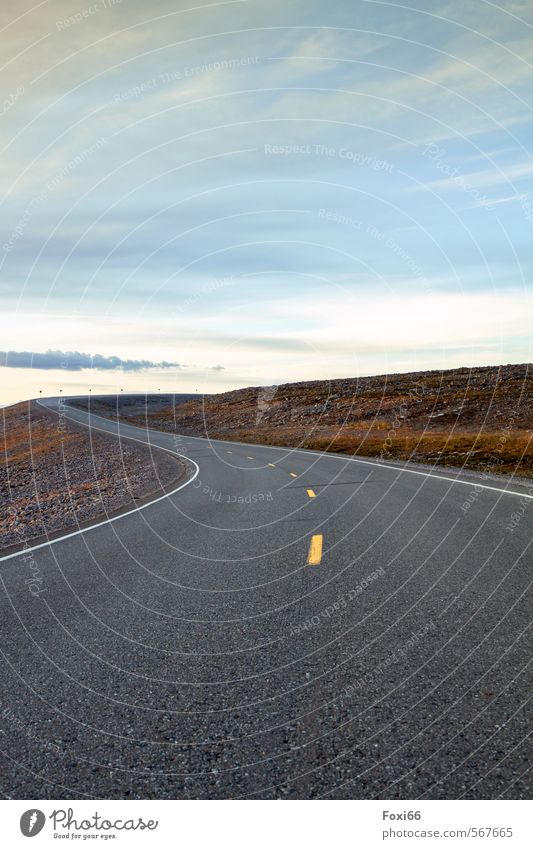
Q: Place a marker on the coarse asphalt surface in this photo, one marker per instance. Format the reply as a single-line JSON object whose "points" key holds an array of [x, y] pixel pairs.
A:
{"points": [[189, 650]]}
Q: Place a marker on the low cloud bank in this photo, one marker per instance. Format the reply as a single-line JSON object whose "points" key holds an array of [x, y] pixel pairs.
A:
{"points": [[75, 361]]}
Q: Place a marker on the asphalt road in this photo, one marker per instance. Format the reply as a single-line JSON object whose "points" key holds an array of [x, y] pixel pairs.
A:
{"points": [[287, 625]]}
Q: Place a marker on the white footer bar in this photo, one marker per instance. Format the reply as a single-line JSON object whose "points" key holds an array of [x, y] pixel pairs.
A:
{"points": [[267, 824]]}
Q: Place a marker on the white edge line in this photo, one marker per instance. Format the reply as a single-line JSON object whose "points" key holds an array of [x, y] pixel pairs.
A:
{"points": [[120, 515], [527, 482], [330, 455]]}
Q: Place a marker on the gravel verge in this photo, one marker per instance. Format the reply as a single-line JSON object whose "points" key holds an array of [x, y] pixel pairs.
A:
{"points": [[57, 476]]}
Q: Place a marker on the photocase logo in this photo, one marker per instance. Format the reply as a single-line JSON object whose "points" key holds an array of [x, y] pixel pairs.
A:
{"points": [[264, 397], [32, 822]]}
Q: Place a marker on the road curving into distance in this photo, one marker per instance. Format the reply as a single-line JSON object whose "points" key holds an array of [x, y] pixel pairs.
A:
{"points": [[285, 624]]}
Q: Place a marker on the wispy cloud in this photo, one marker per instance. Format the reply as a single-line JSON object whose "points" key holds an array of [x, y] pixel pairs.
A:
{"points": [[483, 179]]}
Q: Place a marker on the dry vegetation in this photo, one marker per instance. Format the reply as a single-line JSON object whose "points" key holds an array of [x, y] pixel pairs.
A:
{"points": [[480, 418]]}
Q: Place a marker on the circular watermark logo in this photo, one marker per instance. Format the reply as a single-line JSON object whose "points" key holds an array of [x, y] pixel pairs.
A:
{"points": [[32, 822]]}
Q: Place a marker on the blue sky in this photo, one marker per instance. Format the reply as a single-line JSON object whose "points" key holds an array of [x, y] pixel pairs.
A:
{"points": [[261, 192]]}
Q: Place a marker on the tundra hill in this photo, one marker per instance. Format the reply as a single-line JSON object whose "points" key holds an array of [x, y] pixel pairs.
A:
{"points": [[479, 418]]}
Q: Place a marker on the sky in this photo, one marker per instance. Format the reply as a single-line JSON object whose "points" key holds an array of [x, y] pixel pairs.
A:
{"points": [[203, 196]]}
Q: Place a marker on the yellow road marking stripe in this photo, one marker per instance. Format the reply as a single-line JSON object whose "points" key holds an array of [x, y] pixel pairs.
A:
{"points": [[315, 550], [293, 475], [311, 494], [272, 465]]}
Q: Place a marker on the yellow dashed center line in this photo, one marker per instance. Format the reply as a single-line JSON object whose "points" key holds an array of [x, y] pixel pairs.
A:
{"points": [[293, 475], [311, 494], [315, 550]]}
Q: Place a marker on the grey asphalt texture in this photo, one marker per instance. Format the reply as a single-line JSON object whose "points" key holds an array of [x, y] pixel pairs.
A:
{"points": [[189, 651]]}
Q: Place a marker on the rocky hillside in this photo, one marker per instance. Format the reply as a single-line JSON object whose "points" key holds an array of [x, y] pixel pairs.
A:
{"points": [[481, 418], [56, 476]]}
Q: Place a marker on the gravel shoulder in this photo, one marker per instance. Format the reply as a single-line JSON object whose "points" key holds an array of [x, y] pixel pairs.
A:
{"points": [[56, 476]]}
